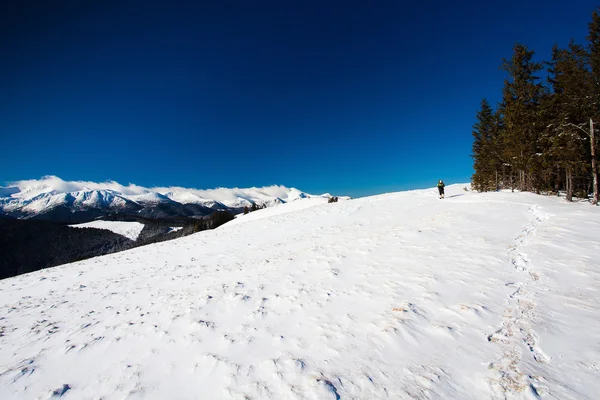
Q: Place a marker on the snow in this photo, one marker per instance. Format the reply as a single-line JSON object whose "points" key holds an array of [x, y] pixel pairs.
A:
{"points": [[40, 202], [36, 196], [53, 184], [150, 197], [396, 296], [130, 230], [185, 197], [98, 199], [275, 210], [237, 198]]}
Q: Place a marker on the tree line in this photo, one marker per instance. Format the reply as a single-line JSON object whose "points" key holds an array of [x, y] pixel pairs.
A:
{"points": [[31, 245], [542, 137]]}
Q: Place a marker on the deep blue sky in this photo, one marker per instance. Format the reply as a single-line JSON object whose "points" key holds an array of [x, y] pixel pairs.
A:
{"points": [[348, 97]]}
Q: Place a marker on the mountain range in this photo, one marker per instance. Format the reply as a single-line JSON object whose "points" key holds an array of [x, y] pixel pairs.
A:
{"points": [[51, 198]]}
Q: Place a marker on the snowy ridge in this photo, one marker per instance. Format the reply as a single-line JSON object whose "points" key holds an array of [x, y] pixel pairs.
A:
{"points": [[276, 210], [150, 198], [398, 296], [29, 198], [130, 229]]}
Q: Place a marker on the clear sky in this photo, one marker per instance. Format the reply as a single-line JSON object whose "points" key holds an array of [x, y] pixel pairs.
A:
{"points": [[352, 98]]}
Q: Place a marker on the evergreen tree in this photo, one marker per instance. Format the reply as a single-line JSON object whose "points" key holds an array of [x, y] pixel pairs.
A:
{"points": [[569, 107], [544, 140], [594, 49], [483, 134], [521, 117]]}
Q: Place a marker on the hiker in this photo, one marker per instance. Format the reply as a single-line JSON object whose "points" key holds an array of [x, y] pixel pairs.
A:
{"points": [[440, 187]]}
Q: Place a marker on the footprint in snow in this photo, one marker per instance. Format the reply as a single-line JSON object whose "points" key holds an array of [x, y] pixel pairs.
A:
{"points": [[61, 391]]}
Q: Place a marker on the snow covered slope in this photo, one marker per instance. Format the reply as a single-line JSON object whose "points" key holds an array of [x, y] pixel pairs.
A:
{"points": [[399, 296], [130, 229], [278, 209], [37, 198]]}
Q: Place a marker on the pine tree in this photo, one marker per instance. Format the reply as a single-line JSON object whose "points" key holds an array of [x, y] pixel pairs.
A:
{"points": [[483, 159], [594, 49], [544, 140], [495, 151], [520, 109], [569, 107]]}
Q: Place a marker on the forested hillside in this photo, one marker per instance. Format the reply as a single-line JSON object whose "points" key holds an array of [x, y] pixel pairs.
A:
{"points": [[542, 137], [31, 245]]}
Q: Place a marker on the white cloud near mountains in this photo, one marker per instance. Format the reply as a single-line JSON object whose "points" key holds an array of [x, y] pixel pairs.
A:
{"points": [[235, 197], [54, 183]]}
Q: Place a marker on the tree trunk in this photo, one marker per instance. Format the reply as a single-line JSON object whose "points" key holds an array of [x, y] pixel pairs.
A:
{"points": [[557, 181], [594, 166], [512, 185], [496, 179], [569, 183]]}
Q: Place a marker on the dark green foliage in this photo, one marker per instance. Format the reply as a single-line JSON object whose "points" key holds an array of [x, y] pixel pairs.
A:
{"points": [[213, 221], [538, 139], [219, 218], [521, 122], [594, 48], [31, 245], [27, 246], [568, 110], [485, 149], [253, 207], [594, 52]]}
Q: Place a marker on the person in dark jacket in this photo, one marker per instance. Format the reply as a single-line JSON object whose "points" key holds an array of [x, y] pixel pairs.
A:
{"points": [[440, 187]]}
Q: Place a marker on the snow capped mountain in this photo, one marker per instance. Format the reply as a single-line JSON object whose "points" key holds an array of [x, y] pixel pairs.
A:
{"points": [[151, 198], [30, 203], [235, 198], [54, 198], [397, 296], [187, 197]]}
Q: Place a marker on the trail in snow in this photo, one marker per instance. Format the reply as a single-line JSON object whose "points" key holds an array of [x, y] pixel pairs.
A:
{"points": [[516, 329], [391, 296]]}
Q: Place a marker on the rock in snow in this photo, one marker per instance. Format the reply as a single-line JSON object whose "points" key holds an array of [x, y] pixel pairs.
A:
{"points": [[396, 296]]}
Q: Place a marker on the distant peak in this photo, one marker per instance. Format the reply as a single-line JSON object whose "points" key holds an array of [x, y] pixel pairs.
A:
{"points": [[38, 196]]}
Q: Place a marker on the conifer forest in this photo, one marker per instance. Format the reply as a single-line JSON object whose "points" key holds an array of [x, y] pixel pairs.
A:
{"points": [[543, 135]]}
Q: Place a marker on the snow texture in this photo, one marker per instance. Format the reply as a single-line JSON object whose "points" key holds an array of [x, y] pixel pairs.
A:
{"points": [[131, 230], [278, 209], [399, 296]]}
